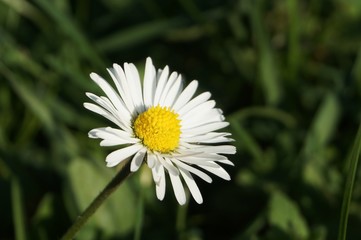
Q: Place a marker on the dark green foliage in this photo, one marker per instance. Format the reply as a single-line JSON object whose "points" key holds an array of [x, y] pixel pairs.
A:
{"points": [[286, 73]]}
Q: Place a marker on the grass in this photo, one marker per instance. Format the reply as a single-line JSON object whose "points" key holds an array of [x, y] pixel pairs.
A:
{"points": [[286, 74]]}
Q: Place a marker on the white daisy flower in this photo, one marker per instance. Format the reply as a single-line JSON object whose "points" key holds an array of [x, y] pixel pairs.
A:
{"points": [[160, 123]]}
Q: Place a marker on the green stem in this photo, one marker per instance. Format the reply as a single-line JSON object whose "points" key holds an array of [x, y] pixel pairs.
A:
{"points": [[181, 219], [18, 209], [140, 213], [351, 175], [97, 202], [265, 112]]}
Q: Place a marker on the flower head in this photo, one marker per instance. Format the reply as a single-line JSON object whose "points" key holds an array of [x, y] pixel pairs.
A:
{"points": [[160, 123]]}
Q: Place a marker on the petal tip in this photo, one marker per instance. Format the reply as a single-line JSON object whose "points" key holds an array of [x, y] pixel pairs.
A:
{"points": [[181, 201]]}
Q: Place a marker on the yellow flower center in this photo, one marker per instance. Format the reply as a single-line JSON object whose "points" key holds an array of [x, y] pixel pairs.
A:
{"points": [[158, 128]]}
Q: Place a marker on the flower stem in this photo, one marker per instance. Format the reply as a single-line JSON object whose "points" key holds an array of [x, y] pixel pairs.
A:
{"points": [[123, 173]]}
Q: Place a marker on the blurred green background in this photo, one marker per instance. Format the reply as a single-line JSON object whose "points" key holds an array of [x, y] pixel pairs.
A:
{"points": [[286, 73]]}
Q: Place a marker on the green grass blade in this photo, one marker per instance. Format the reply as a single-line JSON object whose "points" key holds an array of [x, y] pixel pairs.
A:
{"points": [[191, 8], [68, 26], [245, 140], [324, 125], [268, 69], [18, 210], [122, 39], [26, 9], [29, 98], [264, 112], [354, 157], [293, 40], [139, 218], [181, 221], [356, 69]]}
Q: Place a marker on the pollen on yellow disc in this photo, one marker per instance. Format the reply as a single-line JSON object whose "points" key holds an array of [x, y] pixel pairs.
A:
{"points": [[158, 128]]}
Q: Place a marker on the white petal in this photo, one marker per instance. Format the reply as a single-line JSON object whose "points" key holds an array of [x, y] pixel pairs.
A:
{"points": [[196, 161], [133, 80], [108, 105], [211, 137], [172, 170], [217, 140], [119, 132], [226, 161], [178, 189], [202, 155], [126, 93], [156, 176], [200, 158], [211, 157], [112, 134], [208, 127], [160, 183], [121, 82], [225, 149], [160, 85], [201, 98], [117, 156], [101, 111], [182, 153], [201, 117], [110, 143], [117, 81], [137, 160], [173, 92], [186, 95], [171, 80], [218, 171], [149, 83], [192, 186], [193, 170], [123, 115], [108, 90], [104, 103], [151, 159], [201, 109]]}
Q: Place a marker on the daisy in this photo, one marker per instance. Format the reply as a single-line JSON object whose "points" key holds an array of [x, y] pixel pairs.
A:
{"points": [[162, 124]]}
